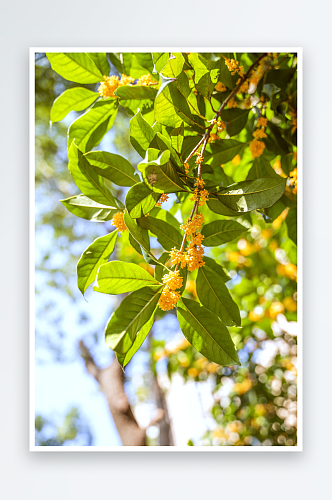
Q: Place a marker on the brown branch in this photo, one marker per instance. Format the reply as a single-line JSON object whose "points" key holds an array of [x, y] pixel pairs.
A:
{"points": [[111, 380]]}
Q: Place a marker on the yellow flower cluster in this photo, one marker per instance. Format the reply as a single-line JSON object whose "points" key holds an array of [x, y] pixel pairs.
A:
{"points": [[164, 197], [199, 158], [146, 80], [220, 87], [194, 225], [293, 180], [172, 280], [234, 67], [111, 83], [186, 168], [193, 257], [169, 297], [259, 133], [256, 146], [201, 195], [118, 222], [108, 86]]}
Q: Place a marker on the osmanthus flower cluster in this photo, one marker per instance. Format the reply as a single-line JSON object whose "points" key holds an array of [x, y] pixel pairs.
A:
{"points": [[110, 83], [189, 114]]}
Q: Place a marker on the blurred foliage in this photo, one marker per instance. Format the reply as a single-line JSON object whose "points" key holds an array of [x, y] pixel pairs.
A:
{"points": [[73, 431]]}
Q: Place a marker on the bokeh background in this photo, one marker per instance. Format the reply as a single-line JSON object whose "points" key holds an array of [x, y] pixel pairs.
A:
{"points": [[204, 404]]}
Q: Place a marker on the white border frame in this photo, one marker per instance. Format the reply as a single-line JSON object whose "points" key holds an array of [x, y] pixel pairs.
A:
{"points": [[32, 446]]}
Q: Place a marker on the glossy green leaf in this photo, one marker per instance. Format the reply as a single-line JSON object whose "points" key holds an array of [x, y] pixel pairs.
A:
{"points": [[213, 266], [85, 208], [252, 195], [158, 172], [89, 129], [92, 258], [120, 277], [206, 333], [139, 339], [166, 216], [75, 99], [141, 134], [223, 150], [140, 200], [235, 120], [160, 60], [75, 66], [134, 311], [214, 295], [167, 235], [86, 179], [221, 231], [113, 167]]}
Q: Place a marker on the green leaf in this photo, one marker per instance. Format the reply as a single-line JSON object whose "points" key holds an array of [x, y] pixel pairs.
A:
{"points": [[100, 60], [113, 167], [261, 168], [158, 172], [132, 64], [177, 137], [139, 339], [167, 235], [135, 245], [206, 73], [176, 103], [84, 207], [252, 195], [235, 120], [217, 207], [164, 215], [120, 277], [141, 134], [174, 66], [214, 295], [75, 99], [92, 258], [221, 231], [136, 92], [141, 236], [270, 90], [140, 200], [75, 66], [116, 60], [165, 144], [206, 333], [134, 311], [291, 222], [223, 150], [89, 129], [86, 179], [160, 60], [211, 265]]}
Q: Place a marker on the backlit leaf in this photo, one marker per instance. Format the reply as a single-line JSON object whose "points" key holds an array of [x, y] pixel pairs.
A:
{"points": [[206, 333], [75, 99], [92, 258], [120, 277], [113, 167], [221, 231]]}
